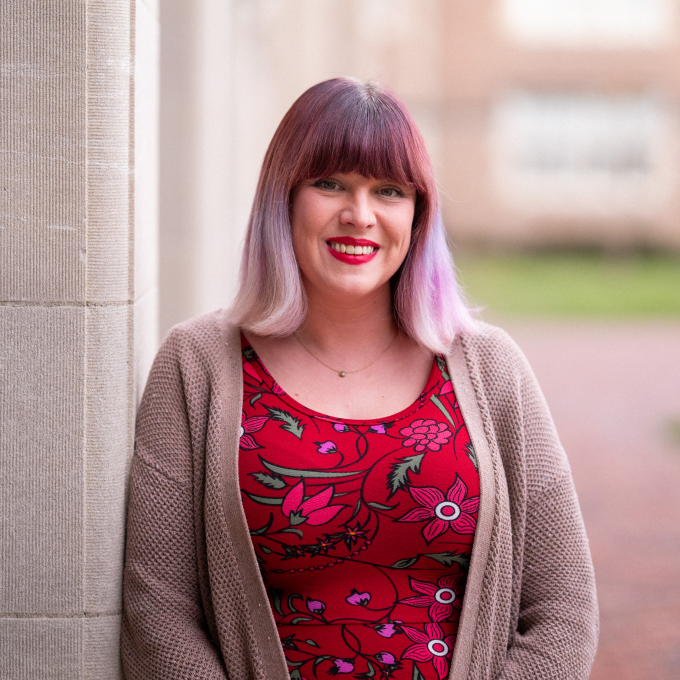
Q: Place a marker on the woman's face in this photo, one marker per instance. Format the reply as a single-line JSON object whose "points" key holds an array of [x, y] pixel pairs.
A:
{"points": [[369, 219]]}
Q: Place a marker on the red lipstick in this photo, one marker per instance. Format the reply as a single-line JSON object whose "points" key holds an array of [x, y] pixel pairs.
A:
{"points": [[349, 241], [348, 258]]}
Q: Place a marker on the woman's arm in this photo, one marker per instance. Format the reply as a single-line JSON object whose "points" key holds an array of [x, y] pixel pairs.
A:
{"points": [[538, 617], [165, 635], [557, 630], [558, 626]]}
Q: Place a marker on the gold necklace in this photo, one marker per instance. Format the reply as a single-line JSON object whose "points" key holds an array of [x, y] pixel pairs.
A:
{"points": [[342, 374]]}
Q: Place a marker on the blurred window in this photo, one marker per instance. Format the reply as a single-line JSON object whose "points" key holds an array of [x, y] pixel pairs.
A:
{"points": [[582, 153], [589, 23]]}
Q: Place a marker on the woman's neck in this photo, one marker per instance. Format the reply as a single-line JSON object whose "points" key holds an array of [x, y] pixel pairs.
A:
{"points": [[348, 359], [349, 328]]}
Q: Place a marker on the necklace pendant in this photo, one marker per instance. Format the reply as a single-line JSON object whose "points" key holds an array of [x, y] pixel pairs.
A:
{"points": [[342, 374]]}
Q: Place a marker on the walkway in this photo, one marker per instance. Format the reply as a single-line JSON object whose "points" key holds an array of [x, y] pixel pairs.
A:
{"points": [[612, 388]]}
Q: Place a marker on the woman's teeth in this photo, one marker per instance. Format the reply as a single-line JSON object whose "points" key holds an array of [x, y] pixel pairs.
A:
{"points": [[351, 250]]}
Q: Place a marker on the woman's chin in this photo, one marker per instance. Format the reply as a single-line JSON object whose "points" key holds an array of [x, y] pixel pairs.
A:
{"points": [[351, 289]]}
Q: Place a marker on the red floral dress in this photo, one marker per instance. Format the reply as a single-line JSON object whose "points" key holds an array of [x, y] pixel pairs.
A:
{"points": [[363, 529]]}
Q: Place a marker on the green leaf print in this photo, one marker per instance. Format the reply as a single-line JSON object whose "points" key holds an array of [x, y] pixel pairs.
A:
{"points": [[437, 402], [472, 455], [299, 619], [291, 598], [417, 675], [290, 424], [293, 530], [296, 518], [263, 530], [264, 548], [263, 500], [405, 563], [368, 675], [277, 598], [318, 660], [254, 398], [295, 674], [315, 474], [311, 643], [398, 477], [270, 481], [380, 506], [441, 364], [448, 559]]}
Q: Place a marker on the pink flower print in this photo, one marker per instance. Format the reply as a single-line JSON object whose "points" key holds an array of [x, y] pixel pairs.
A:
{"points": [[248, 426], [314, 510], [378, 429], [425, 434], [316, 606], [431, 645], [385, 657], [341, 666], [326, 447], [340, 427], [441, 599], [358, 599], [276, 388], [386, 630], [453, 510], [447, 388]]}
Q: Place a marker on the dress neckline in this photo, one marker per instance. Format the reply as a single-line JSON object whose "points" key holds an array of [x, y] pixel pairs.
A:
{"points": [[251, 356]]}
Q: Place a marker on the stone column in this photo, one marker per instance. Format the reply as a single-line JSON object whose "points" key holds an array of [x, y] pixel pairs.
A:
{"points": [[78, 171]]}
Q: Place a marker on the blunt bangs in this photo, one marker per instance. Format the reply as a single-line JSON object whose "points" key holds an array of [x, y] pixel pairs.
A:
{"points": [[340, 126], [355, 133]]}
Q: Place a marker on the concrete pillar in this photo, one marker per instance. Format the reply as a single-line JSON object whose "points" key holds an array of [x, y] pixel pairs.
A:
{"points": [[78, 175]]}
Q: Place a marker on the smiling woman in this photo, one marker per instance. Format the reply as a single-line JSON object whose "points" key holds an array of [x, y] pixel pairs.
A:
{"points": [[340, 127], [334, 217], [344, 474]]}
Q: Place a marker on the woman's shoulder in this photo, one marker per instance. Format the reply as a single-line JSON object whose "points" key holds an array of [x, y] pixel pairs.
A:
{"points": [[517, 414], [194, 351], [203, 335], [491, 352]]}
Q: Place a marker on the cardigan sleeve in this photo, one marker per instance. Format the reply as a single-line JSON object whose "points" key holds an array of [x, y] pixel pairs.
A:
{"points": [[557, 629], [164, 633], [557, 626]]}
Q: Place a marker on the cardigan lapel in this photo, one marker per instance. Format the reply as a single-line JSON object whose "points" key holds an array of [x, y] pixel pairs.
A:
{"points": [[268, 647], [467, 400]]}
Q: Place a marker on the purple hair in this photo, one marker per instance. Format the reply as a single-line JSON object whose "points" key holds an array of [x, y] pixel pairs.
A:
{"points": [[341, 126]]}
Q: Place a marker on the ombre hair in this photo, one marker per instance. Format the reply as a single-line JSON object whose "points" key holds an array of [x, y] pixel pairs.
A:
{"points": [[340, 126]]}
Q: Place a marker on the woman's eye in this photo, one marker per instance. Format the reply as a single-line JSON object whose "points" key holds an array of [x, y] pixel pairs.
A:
{"points": [[329, 184], [390, 192]]}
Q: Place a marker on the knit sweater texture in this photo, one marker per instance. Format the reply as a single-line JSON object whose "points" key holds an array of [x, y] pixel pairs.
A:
{"points": [[194, 605]]}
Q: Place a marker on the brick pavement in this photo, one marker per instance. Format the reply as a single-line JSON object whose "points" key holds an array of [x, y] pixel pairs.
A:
{"points": [[612, 388]]}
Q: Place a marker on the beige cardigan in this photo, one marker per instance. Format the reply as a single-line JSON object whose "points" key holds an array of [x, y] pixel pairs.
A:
{"points": [[195, 606]]}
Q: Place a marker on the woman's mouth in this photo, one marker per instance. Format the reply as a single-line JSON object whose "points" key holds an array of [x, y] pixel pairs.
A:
{"points": [[352, 250]]}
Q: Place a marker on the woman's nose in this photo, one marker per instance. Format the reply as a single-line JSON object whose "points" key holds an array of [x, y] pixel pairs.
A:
{"points": [[358, 212]]}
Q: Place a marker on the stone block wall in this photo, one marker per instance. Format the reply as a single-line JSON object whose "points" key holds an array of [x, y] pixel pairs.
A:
{"points": [[78, 320]]}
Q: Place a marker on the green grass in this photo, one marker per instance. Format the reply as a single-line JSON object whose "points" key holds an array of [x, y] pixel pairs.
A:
{"points": [[573, 284]]}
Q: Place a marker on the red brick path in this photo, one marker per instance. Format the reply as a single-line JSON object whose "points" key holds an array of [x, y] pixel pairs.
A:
{"points": [[612, 388]]}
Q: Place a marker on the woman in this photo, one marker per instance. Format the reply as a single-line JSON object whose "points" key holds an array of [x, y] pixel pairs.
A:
{"points": [[344, 474]]}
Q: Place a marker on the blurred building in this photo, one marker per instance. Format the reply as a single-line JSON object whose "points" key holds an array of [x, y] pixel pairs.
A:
{"points": [[550, 122]]}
